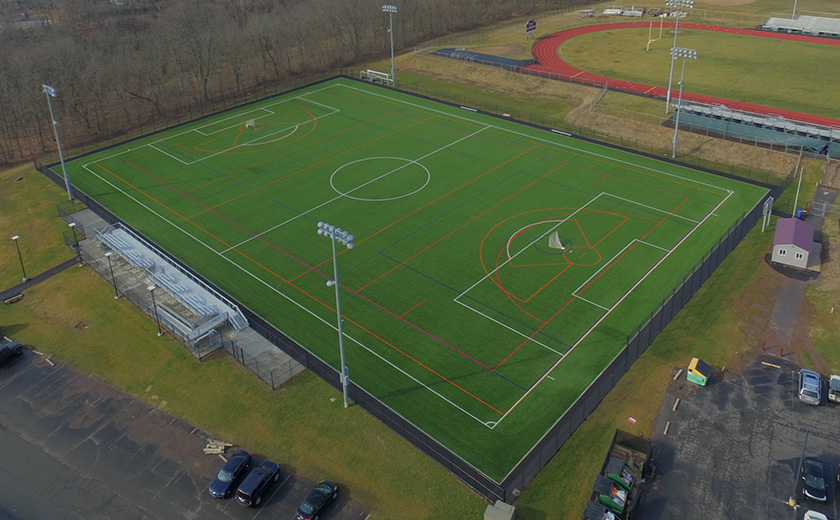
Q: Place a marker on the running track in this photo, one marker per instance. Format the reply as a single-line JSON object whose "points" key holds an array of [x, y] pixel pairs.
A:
{"points": [[550, 64]]}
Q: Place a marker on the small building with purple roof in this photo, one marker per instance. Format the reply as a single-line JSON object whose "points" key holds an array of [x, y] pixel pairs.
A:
{"points": [[793, 243]]}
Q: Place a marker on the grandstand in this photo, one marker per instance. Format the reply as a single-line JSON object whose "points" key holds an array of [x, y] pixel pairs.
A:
{"points": [[807, 25], [201, 309], [772, 130]]}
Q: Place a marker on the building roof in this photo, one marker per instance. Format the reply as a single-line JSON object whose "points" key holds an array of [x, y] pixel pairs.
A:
{"points": [[795, 232]]}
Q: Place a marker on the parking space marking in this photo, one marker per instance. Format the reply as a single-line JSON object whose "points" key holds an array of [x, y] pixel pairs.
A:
{"points": [[277, 489]]}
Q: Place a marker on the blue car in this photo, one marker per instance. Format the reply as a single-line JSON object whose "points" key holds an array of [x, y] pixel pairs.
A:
{"points": [[229, 475]]}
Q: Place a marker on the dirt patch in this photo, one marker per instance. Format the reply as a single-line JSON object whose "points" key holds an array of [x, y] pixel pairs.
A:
{"points": [[508, 50], [490, 78]]}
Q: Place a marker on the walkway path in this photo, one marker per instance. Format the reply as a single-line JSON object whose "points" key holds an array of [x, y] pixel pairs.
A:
{"points": [[17, 290]]}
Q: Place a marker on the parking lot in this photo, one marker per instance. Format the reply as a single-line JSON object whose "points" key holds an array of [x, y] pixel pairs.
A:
{"points": [[74, 448], [734, 448]]}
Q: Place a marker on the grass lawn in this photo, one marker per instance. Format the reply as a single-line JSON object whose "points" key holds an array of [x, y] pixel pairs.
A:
{"points": [[24, 208]]}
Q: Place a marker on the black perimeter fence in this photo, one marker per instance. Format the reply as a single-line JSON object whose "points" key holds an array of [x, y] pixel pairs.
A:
{"points": [[509, 488]]}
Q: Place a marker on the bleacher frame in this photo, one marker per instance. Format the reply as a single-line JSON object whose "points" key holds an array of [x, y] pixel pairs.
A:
{"points": [[149, 261]]}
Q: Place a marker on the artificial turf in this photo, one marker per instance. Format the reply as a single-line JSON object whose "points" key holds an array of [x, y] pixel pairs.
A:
{"points": [[461, 311]]}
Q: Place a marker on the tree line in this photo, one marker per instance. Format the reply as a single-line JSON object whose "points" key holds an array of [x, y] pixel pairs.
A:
{"points": [[118, 65]]}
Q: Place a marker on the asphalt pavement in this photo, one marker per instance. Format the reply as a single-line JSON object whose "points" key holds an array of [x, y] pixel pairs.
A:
{"points": [[75, 448], [734, 448]]}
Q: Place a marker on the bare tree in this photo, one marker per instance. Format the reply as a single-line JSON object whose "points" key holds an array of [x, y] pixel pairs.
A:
{"points": [[195, 33]]}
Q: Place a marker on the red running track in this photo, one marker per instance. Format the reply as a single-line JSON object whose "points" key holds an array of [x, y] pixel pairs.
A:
{"points": [[550, 64]]}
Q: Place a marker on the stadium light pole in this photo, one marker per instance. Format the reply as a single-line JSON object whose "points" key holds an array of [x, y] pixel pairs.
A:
{"points": [[20, 257], [76, 242], [794, 10], [391, 9], [684, 54], [151, 289], [51, 93], [679, 4], [113, 278], [340, 235]]}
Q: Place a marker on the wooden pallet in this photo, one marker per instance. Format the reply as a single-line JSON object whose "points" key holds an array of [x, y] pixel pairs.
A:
{"points": [[216, 447]]}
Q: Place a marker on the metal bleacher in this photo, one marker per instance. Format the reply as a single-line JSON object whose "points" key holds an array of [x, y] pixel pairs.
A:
{"points": [[808, 25], [211, 308], [125, 249], [766, 128], [185, 295]]}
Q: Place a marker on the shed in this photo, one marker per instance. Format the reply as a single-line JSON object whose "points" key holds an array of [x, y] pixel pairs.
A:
{"points": [[793, 242]]}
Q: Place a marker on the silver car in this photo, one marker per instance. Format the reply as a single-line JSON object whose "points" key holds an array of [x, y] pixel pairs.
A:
{"points": [[810, 383]]}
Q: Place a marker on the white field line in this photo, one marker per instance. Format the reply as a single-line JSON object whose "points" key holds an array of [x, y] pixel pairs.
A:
{"points": [[238, 118], [329, 201], [550, 142], [159, 150], [590, 302], [290, 299], [537, 138], [606, 265], [526, 246], [507, 326], [602, 318], [652, 208], [257, 140], [198, 130], [656, 246]]}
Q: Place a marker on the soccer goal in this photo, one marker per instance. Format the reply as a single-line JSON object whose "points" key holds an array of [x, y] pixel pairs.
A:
{"points": [[250, 124], [554, 242], [374, 76]]}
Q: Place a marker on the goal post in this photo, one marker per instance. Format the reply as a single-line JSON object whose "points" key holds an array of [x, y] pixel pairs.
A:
{"points": [[554, 242], [374, 76]]}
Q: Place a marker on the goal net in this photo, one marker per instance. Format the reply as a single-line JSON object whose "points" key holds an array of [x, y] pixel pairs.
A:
{"points": [[554, 241]]}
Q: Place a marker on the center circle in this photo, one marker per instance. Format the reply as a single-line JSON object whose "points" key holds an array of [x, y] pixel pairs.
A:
{"points": [[581, 255], [391, 178]]}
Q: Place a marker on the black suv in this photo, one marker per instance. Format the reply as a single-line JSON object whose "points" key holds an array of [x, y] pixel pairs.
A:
{"points": [[9, 349], [257, 482]]}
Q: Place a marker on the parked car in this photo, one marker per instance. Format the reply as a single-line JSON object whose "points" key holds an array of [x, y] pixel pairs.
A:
{"points": [[813, 473], [810, 384], [9, 349], [813, 515], [834, 389], [230, 473], [318, 499], [258, 481]]}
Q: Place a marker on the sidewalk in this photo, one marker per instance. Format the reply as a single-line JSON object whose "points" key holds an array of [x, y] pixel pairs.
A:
{"points": [[18, 289]]}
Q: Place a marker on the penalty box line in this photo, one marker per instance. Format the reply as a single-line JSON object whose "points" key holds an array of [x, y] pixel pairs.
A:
{"points": [[604, 316], [486, 423], [510, 258], [577, 292], [157, 146]]}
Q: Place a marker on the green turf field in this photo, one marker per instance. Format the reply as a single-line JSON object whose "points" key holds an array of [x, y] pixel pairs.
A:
{"points": [[497, 268]]}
